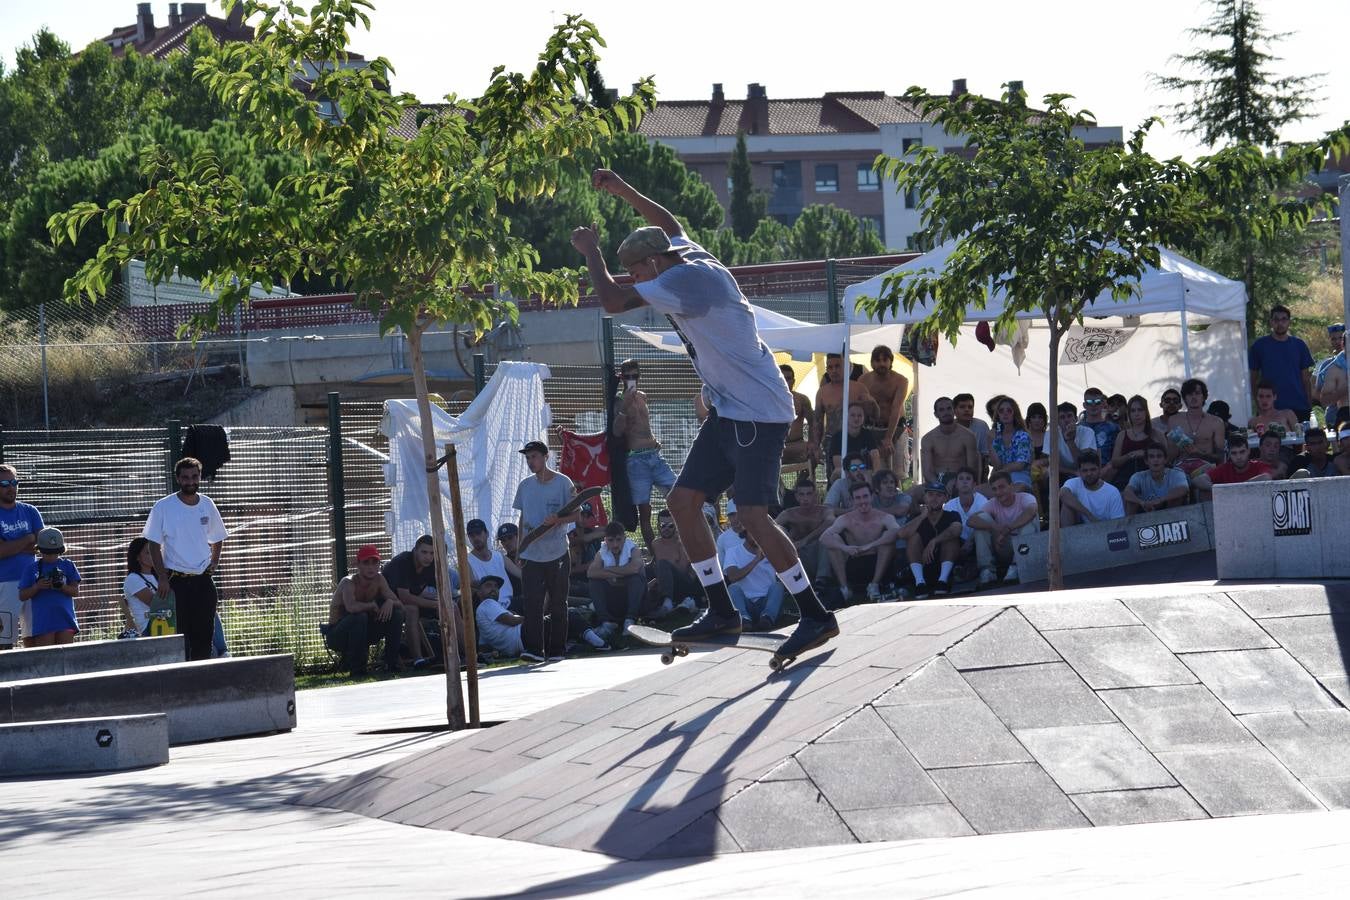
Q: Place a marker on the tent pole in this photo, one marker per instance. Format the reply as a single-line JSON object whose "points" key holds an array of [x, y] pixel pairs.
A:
{"points": [[1185, 338], [843, 411]]}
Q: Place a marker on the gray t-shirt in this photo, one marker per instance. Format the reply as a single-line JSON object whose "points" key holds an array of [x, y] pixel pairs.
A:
{"points": [[1145, 488], [536, 501], [714, 320]]}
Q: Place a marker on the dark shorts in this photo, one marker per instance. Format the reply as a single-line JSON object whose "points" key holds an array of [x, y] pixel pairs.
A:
{"points": [[860, 569], [729, 452]]}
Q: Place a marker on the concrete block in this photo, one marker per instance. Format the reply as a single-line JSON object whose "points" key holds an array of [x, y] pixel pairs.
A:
{"points": [[204, 700], [1283, 529], [90, 656], [65, 746], [1142, 538]]}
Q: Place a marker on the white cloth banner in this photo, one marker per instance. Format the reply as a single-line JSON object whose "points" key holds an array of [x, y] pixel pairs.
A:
{"points": [[508, 413], [1089, 344]]}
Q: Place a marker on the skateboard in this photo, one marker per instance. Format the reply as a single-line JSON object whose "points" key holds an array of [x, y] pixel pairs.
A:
{"points": [[163, 616], [765, 643], [566, 509]]}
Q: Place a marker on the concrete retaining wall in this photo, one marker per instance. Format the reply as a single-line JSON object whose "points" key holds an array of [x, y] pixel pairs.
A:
{"points": [[1141, 538], [204, 700], [90, 656], [108, 744], [1283, 529]]}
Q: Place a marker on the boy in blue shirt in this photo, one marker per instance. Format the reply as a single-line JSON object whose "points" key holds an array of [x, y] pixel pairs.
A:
{"points": [[50, 584]]}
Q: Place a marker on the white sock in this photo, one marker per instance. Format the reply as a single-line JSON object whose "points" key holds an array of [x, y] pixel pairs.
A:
{"points": [[946, 572], [592, 638], [917, 569], [794, 579], [709, 571]]}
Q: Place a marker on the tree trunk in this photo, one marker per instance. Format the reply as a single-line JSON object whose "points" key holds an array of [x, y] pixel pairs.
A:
{"points": [[454, 693], [1053, 568], [465, 589]]}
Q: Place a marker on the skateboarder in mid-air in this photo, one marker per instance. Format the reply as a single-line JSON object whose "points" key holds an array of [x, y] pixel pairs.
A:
{"points": [[741, 441]]}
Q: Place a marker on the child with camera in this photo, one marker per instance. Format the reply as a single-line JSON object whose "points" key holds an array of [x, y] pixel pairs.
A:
{"points": [[50, 585]]}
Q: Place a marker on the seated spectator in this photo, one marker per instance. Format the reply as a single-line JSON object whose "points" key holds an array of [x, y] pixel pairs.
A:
{"points": [[805, 523], [755, 589], [1038, 420], [1010, 512], [860, 440], [887, 496], [861, 545], [1270, 450], [964, 409], [731, 536], [1171, 405], [1157, 487], [1239, 468], [1137, 434], [1087, 498], [1220, 409], [857, 470], [1073, 440], [1117, 407], [965, 504], [412, 577], [138, 589], [583, 542], [618, 582], [1009, 443], [499, 628], [1198, 436], [364, 611], [1315, 461], [674, 572], [1103, 429], [932, 543], [50, 584], [1267, 415], [508, 538], [484, 561]]}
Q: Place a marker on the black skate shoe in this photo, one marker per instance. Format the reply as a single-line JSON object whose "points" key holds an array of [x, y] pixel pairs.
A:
{"points": [[809, 634], [710, 624]]}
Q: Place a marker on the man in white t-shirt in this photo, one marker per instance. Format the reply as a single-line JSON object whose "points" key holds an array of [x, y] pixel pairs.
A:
{"points": [[731, 536], [1010, 512], [498, 627], [1087, 498], [618, 580], [484, 561], [186, 534], [965, 504], [751, 410], [1158, 486], [756, 593]]}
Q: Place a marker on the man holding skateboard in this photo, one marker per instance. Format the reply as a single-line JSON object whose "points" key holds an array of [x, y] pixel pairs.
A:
{"points": [[741, 442]]}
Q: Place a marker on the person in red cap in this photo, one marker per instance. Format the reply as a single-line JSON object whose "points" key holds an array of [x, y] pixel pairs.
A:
{"points": [[364, 611]]}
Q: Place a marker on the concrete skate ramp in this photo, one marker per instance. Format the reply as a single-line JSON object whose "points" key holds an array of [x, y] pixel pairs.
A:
{"points": [[921, 720]]}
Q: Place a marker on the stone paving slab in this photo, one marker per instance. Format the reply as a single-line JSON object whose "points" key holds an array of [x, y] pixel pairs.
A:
{"points": [[1320, 643], [1136, 807], [955, 733], [1008, 640], [1310, 743], [1293, 600], [1048, 616], [1199, 622], [1120, 657], [903, 823], [1176, 717], [868, 774], [1238, 781], [1251, 681], [1008, 798], [1039, 696], [781, 815], [1094, 758]]}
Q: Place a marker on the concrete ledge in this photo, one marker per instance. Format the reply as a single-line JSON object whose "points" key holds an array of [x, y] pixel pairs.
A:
{"points": [[66, 746], [1141, 538], [204, 700], [1284, 529], [90, 656]]}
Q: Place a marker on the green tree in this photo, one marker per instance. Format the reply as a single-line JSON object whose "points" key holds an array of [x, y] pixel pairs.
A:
{"points": [[412, 225], [826, 232], [748, 205], [1036, 216]]}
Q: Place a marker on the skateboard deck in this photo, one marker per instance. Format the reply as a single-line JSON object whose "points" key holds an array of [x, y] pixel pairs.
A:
{"points": [[765, 643], [566, 509]]}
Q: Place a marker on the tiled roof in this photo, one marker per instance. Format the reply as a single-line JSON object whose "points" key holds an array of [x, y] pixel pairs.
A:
{"points": [[168, 39], [836, 113]]}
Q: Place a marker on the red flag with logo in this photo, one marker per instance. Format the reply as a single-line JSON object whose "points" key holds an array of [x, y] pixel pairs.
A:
{"points": [[585, 459]]}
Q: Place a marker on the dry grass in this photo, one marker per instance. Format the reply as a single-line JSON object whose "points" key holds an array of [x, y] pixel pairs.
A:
{"points": [[1323, 303], [86, 364]]}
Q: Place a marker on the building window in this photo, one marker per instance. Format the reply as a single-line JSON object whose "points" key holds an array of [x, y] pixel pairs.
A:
{"points": [[912, 198], [780, 175], [909, 144], [729, 185], [827, 178], [868, 179], [873, 224]]}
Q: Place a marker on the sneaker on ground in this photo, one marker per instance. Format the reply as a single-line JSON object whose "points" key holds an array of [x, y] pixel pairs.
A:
{"points": [[627, 624], [708, 625], [765, 624], [987, 577], [529, 656], [1010, 577], [874, 592], [601, 647], [667, 607], [556, 658], [845, 592], [921, 590], [942, 587], [809, 634], [689, 603], [593, 638]]}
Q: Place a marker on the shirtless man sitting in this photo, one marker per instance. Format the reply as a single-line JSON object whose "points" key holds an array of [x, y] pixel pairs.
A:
{"points": [[889, 389], [830, 403], [1196, 434], [861, 544], [364, 610], [674, 572], [798, 448], [646, 468], [1267, 414], [932, 541], [805, 523], [946, 449]]}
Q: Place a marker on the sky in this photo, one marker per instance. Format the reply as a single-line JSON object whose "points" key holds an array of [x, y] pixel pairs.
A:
{"points": [[1101, 53]]}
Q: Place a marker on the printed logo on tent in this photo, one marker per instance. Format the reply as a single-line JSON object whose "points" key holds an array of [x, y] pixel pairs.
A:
{"points": [[1118, 540], [1151, 537], [1291, 512], [1090, 344]]}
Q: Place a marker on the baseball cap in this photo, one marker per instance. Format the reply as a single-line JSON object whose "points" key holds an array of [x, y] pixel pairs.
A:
{"points": [[369, 551], [532, 446], [507, 529], [51, 539], [475, 526], [642, 243], [495, 579], [935, 487], [1336, 328]]}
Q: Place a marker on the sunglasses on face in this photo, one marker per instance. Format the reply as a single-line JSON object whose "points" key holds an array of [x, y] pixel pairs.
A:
{"points": [[856, 467], [1095, 402], [9, 482]]}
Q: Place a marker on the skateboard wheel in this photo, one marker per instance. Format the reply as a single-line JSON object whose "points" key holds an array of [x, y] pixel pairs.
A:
{"points": [[667, 659], [681, 651], [776, 663]]}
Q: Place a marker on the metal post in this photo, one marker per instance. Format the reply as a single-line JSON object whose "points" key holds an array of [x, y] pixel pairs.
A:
{"points": [[337, 494], [2, 443], [239, 336], [175, 450], [1344, 185], [832, 294], [479, 373], [607, 377], [42, 339]]}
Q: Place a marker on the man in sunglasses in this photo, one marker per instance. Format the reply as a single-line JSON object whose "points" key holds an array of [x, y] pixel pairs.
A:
{"points": [[1095, 417], [1171, 405], [856, 471], [19, 527]]}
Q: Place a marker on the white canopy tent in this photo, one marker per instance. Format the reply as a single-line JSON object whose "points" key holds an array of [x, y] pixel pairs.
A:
{"points": [[1191, 322]]}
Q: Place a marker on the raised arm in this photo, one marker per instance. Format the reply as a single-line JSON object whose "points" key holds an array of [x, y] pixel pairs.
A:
{"points": [[614, 297], [651, 211]]}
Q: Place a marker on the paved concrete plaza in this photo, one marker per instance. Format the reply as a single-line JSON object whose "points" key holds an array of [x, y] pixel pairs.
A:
{"points": [[219, 819]]}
